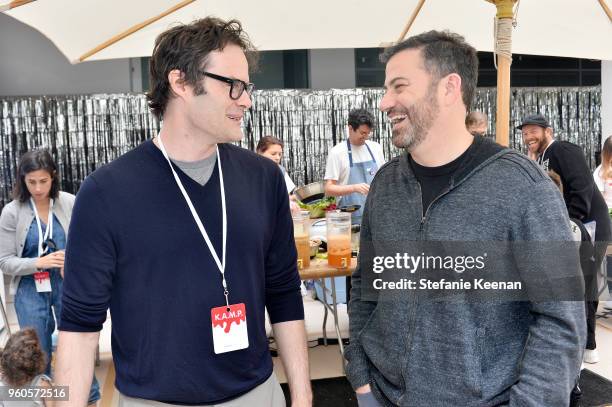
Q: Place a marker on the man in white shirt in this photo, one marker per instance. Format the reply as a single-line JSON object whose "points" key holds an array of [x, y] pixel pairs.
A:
{"points": [[352, 163]]}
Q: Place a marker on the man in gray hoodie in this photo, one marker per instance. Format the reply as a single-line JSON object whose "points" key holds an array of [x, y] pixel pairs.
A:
{"points": [[418, 341]]}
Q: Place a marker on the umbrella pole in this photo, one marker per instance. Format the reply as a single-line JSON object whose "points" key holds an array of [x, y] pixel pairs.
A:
{"points": [[132, 30], [503, 52], [413, 17], [502, 122]]}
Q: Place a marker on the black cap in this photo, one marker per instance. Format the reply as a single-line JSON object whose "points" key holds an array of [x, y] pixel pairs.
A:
{"points": [[536, 119]]}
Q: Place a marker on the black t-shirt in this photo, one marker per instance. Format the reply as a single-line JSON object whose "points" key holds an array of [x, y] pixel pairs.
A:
{"points": [[435, 180]]}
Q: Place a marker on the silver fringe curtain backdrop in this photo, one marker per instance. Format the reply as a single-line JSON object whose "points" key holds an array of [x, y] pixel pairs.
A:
{"points": [[85, 132], [573, 112], [81, 132]]}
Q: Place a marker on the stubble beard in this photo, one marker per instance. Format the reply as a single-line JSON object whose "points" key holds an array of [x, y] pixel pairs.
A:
{"points": [[420, 116]]}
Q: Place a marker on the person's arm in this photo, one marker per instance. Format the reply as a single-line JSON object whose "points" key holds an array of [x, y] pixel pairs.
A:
{"points": [[10, 262], [546, 255], [75, 365], [89, 271], [333, 189], [360, 309], [290, 337], [284, 300]]}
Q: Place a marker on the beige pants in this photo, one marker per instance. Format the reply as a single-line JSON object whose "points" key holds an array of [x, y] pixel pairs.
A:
{"points": [[267, 394]]}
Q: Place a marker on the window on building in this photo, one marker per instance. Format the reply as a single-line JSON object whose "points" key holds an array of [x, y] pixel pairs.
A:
{"points": [[526, 70], [287, 69]]}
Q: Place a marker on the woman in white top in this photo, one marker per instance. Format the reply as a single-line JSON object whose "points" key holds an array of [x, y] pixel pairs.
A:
{"points": [[272, 148]]}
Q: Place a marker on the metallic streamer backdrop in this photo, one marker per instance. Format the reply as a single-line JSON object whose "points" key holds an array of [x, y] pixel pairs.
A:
{"points": [[86, 131]]}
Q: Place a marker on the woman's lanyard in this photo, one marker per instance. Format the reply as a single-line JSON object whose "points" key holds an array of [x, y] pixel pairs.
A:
{"points": [[198, 221], [48, 231]]}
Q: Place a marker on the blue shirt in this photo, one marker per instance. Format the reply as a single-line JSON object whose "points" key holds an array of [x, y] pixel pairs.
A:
{"points": [[135, 247]]}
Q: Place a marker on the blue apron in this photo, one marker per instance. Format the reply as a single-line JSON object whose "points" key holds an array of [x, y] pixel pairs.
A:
{"points": [[359, 173]]}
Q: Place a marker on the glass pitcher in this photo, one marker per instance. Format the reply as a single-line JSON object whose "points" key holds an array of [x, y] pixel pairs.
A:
{"points": [[338, 239]]}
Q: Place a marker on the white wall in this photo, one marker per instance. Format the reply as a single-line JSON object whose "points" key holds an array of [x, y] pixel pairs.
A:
{"points": [[332, 68], [606, 100], [30, 64]]}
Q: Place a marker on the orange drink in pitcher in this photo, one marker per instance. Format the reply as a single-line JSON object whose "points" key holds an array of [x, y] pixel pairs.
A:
{"points": [[338, 239]]}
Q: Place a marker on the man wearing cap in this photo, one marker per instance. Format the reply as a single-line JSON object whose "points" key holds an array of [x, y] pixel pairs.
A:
{"points": [[583, 200]]}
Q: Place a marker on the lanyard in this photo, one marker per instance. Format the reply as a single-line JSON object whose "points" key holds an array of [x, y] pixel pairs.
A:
{"points": [[198, 221], [48, 231], [541, 159]]}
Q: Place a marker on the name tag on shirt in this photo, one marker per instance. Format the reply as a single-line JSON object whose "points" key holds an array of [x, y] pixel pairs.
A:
{"points": [[229, 328], [43, 281]]}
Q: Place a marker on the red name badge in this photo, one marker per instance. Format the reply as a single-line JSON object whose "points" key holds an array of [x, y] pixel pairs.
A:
{"points": [[229, 328], [43, 281]]}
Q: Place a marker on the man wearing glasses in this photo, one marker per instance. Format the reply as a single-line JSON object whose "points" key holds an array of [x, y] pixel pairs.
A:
{"points": [[187, 239], [352, 163]]}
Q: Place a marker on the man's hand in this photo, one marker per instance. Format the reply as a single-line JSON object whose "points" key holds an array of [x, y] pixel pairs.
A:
{"points": [[363, 389], [361, 188], [51, 260], [294, 207], [532, 155]]}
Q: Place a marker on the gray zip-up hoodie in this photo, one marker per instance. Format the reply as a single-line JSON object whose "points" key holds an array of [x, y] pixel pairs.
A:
{"points": [[414, 352]]}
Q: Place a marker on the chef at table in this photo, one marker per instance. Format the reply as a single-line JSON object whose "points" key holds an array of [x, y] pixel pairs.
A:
{"points": [[352, 163]]}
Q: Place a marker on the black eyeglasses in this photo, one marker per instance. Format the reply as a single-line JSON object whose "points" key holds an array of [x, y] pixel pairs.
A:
{"points": [[49, 244], [237, 86]]}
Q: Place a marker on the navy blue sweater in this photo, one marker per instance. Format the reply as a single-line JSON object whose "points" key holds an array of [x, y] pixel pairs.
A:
{"points": [[134, 247]]}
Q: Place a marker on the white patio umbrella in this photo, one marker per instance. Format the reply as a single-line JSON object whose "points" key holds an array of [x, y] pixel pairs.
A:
{"points": [[86, 30]]}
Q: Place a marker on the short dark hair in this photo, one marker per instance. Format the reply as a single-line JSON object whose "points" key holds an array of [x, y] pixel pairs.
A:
{"points": [[22, 358], [186, 47], [35, 160], [357, 117], [266, 142], [443, 52]]}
